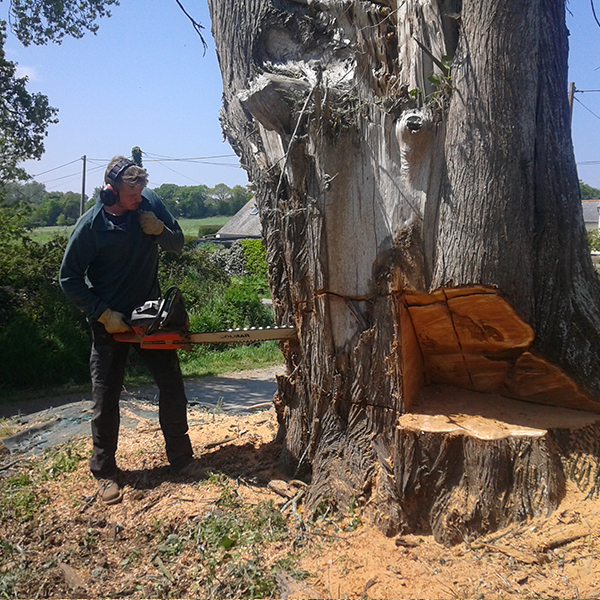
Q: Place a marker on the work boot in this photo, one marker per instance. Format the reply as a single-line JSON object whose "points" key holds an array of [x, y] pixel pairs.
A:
{"points": [[193, 470], [109, 491]]}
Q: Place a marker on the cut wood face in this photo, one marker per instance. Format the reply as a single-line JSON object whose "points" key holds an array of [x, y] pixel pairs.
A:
{"points": [[470, 337], [446, 409]]}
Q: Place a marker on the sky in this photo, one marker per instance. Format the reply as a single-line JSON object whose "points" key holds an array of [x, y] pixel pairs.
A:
{"points": [[143, 80]]}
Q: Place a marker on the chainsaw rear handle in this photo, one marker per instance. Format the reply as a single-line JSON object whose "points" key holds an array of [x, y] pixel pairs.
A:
{"points": [[173, 299]]}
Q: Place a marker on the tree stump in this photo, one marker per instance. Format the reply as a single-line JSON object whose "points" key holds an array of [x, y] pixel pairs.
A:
{"points": [[466, 462]]}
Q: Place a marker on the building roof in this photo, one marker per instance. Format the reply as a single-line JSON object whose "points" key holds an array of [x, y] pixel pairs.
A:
{"points": [[590, 210], [244, 224]]}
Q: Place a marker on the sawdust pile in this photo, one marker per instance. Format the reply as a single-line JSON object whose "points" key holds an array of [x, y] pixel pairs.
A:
{"points": [[243, 532]]}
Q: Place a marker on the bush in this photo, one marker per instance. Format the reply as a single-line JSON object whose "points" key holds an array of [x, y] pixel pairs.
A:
{"points": [[594, 239], [231, 260], [217, 291], [256, 258], [194, 273], [239, 306], [43, 339], [208, 229]]}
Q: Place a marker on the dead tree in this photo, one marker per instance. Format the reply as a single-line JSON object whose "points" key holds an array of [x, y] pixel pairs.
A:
{"points": [[415, 178]]}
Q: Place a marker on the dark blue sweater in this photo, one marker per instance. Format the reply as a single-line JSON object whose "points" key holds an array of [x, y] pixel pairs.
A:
{"points": [[105, 266]]}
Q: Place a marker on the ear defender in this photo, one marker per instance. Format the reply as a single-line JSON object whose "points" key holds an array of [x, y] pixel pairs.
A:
{"points": [[109, 194]]}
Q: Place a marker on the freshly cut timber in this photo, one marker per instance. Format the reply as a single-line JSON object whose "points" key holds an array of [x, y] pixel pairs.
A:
{"points": [[472, 338], [468, 461]]}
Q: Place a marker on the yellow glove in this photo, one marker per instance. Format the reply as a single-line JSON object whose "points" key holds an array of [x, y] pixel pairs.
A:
{"points": [[114, 322], [151, 224]]}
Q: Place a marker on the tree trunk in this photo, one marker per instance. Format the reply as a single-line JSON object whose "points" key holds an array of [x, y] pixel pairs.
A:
{"points": [[416, 184]]}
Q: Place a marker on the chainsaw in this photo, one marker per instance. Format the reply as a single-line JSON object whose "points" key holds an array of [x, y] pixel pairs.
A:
{"points": [[164, 325]]}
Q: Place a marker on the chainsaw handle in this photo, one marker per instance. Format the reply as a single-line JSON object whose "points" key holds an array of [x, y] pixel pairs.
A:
{"points": [[157, 321]]}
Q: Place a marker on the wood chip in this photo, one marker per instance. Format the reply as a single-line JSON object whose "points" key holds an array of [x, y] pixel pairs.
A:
{"points": [[260, 405], [72, 577], [281, 488], [291, 588], [369, 584], [404, 543], [564, 536], [524, 557], [163, 569], [225, 440], [148, 506]]}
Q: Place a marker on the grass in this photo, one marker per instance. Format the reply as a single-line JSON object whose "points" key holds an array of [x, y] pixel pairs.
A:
{"points": [[42, 235], [189, 227], [203, 360], [20, 495], [7, 427]]}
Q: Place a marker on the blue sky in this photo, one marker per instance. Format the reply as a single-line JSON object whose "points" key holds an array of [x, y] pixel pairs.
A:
{"points": [[584, 70], [143, 81]]}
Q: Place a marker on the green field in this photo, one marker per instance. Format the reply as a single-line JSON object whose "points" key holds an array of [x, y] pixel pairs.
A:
{"points": [[45, 234], [190, 228]]}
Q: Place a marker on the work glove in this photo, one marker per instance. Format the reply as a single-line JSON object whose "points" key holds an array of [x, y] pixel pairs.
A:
{"points": [[113, 321], [151, 224]]}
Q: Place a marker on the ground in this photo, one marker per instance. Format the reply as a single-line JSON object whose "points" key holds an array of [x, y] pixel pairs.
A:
{"points": [[243, 531]]}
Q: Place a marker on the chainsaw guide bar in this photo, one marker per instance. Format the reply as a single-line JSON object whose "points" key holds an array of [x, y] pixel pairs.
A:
{"points": [[181, 340]]}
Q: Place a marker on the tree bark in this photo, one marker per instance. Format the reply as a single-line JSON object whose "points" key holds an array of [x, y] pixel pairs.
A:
{"points": [[415, 179]]}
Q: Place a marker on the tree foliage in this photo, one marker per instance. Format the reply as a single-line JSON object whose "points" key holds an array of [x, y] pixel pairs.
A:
{"points": [[24, 119], [594, 240], [25, 116], [200, 201], [42, 21], [588, 192], [42, 208], [44, 338]]}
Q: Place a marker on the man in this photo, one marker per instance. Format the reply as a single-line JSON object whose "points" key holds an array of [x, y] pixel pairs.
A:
{"points": [[109, 268]]}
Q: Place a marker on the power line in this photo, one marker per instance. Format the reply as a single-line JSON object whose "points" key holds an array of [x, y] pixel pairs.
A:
{"points": [[181, 174], [101, 163], [158, 157], [205, 160], [78, 174], [191, 159], [588, 109], [56, 168]]}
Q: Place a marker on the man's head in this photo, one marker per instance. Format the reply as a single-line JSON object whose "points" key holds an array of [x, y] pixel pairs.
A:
{"points": [[124, 182]]}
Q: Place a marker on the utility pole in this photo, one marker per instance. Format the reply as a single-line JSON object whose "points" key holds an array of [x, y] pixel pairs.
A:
{"points": [[572, 91], [82, 204]]}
